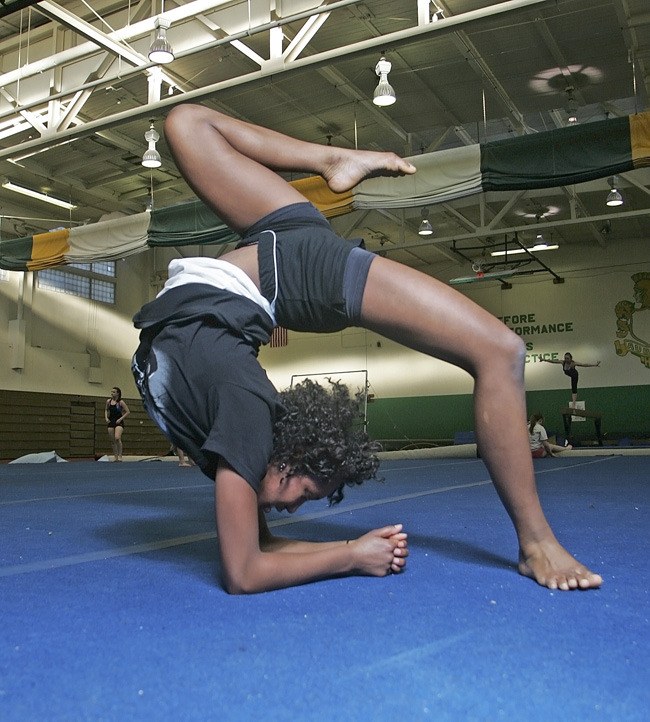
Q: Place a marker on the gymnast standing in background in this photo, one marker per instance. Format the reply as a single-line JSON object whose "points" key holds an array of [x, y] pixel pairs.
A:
{"points": [[115, 412], [569, 368]]}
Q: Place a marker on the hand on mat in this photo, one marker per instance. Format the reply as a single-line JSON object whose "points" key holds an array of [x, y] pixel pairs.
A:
{"points": [[381, 551]]}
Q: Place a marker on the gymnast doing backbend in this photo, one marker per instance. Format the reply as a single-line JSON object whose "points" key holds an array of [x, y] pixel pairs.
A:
{"points": [[198, 372]]}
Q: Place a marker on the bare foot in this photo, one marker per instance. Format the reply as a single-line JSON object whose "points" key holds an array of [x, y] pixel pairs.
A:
{"points": [[550, 565], [350, 167]]}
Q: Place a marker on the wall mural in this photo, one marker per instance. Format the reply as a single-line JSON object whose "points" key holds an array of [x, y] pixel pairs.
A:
{"points": [[630, 324]]}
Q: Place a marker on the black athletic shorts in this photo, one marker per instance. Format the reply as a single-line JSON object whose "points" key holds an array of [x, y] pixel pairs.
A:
{"points": [[313, 278]]}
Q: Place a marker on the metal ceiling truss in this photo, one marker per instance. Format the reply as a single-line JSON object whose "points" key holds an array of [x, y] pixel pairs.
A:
{"points": [[484, 233], [58, 117], [280, 60]]}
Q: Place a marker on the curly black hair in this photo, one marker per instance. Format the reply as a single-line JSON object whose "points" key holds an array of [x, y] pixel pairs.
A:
{"points": [[321, 435]]}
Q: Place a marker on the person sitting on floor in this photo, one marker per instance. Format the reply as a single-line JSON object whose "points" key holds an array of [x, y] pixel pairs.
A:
{"points": [[539, 443]]}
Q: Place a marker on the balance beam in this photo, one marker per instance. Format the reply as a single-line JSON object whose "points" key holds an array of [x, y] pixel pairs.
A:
{"points": [[567, 412], [581, 412]]}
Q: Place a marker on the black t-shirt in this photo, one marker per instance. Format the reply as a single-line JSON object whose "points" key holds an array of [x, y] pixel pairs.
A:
{"points": [[203, 384]]}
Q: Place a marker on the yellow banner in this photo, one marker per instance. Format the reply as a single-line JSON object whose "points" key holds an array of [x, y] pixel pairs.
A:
{"points": [[316, 190], [49, 249], [640, 139]]}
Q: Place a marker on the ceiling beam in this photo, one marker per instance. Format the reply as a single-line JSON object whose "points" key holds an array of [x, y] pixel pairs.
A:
{"points": [[319, 59], [73, 22], [523, 228]]}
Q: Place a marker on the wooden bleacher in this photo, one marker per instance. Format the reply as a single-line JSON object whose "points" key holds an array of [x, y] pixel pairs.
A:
{"points": [[72, 425]]}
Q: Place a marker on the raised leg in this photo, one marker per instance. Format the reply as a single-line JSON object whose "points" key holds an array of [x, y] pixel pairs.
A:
{"points": [[230, 164]]}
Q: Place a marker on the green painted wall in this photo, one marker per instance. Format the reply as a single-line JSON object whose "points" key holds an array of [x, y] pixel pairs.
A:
{"points": [[626, 410], [418, 418], [625, 413]]}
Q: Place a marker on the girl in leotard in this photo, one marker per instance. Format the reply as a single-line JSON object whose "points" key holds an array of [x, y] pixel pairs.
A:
{"points": [[569, 368], [115, 412]]}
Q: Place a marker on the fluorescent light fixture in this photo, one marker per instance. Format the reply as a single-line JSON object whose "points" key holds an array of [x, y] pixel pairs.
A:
{"points": [[532, 249], [36, 194]]}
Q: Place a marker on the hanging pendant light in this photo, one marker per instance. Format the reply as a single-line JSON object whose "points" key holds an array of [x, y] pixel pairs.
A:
{"points": [[384, 93], [161, 52], [151, 157], [426, 229], [614, 198]]}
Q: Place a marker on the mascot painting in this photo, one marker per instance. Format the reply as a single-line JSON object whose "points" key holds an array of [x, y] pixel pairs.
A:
{"points": [[630, 321]]}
